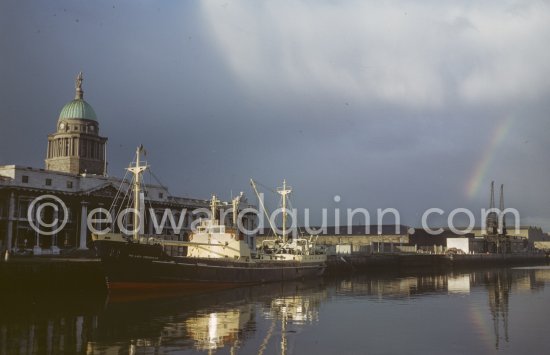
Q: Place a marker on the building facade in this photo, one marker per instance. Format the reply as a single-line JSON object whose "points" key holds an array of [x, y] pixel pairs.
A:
{"points": [[355, 238]]}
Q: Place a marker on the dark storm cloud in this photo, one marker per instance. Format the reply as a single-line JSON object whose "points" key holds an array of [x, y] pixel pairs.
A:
{"points": [[386, 105]]}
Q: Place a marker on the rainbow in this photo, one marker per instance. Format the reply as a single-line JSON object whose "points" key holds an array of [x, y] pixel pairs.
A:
{"points": [[480, 171]]}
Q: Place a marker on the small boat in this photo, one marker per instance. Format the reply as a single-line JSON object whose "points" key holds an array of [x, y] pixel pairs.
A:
{"points": [[217, 255]]}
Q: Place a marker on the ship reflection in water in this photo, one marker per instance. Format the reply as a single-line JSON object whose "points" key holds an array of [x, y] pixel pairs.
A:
{"points": [[501, 310], [213, 330]]}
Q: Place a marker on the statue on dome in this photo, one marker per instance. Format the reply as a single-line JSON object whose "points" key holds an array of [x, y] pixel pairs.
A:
{"points": [[79, 81], [79, 92]]}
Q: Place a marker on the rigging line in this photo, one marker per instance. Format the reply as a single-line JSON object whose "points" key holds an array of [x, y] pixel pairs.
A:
{"points": [[121, 203], [296, 222], [149, 199], [146, 198], [158, 180], [129, 189], [130, 184], [261, 202], [146, 201], [118, 191], [117, 196], [126, 216], [265, 187], [268, 335], [129, 201], [128, 192]]}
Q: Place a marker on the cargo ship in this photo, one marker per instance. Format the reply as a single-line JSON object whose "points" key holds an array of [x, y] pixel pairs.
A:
{"points": [[217, 255]]}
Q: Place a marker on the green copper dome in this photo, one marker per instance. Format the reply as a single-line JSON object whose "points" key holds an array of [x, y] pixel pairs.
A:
{"points": [[76, 109]]}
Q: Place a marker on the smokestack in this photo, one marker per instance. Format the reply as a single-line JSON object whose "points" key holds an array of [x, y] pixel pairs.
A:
{"points": [[492, 202], [492, 218], [501, 207]]}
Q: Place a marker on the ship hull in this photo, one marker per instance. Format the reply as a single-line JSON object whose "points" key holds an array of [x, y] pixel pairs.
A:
{"points": [[134, 266]]}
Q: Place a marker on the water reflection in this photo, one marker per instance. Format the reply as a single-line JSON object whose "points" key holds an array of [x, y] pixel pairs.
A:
{"points": [[214, 330], [299, 309], [271, 318], [206, 322], [39, 324]]}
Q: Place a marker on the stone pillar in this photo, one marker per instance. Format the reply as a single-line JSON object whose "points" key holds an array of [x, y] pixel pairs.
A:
{"points": [[36, 248], [11, 213], [83, 226], [54, 248]]}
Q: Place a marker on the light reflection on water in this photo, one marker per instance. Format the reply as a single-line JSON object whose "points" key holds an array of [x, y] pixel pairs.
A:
{"points": [[486, 311]]}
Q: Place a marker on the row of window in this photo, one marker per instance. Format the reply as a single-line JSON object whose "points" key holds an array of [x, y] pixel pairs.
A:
{"points": [[22, 207], [146, 194], [76, 128], [48, 182], [62, 147]]}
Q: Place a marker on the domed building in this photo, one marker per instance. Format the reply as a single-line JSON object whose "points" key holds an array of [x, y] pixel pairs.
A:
{"points": [[76, 147]]}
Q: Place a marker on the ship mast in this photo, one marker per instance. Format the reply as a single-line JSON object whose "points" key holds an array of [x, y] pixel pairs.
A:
{"points": [[235, 205], [214, 207], [137, 170], [283, 192], [260, 200]]}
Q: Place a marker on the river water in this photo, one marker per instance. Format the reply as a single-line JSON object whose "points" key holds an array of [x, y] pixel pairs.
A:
{"points": [[471, 312]]}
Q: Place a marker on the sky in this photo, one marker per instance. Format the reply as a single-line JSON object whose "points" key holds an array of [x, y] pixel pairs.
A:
{"points": [[385, 104]]}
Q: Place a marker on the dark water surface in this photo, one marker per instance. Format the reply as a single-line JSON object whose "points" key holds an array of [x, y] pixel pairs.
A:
{"points": [[477, 312]]}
